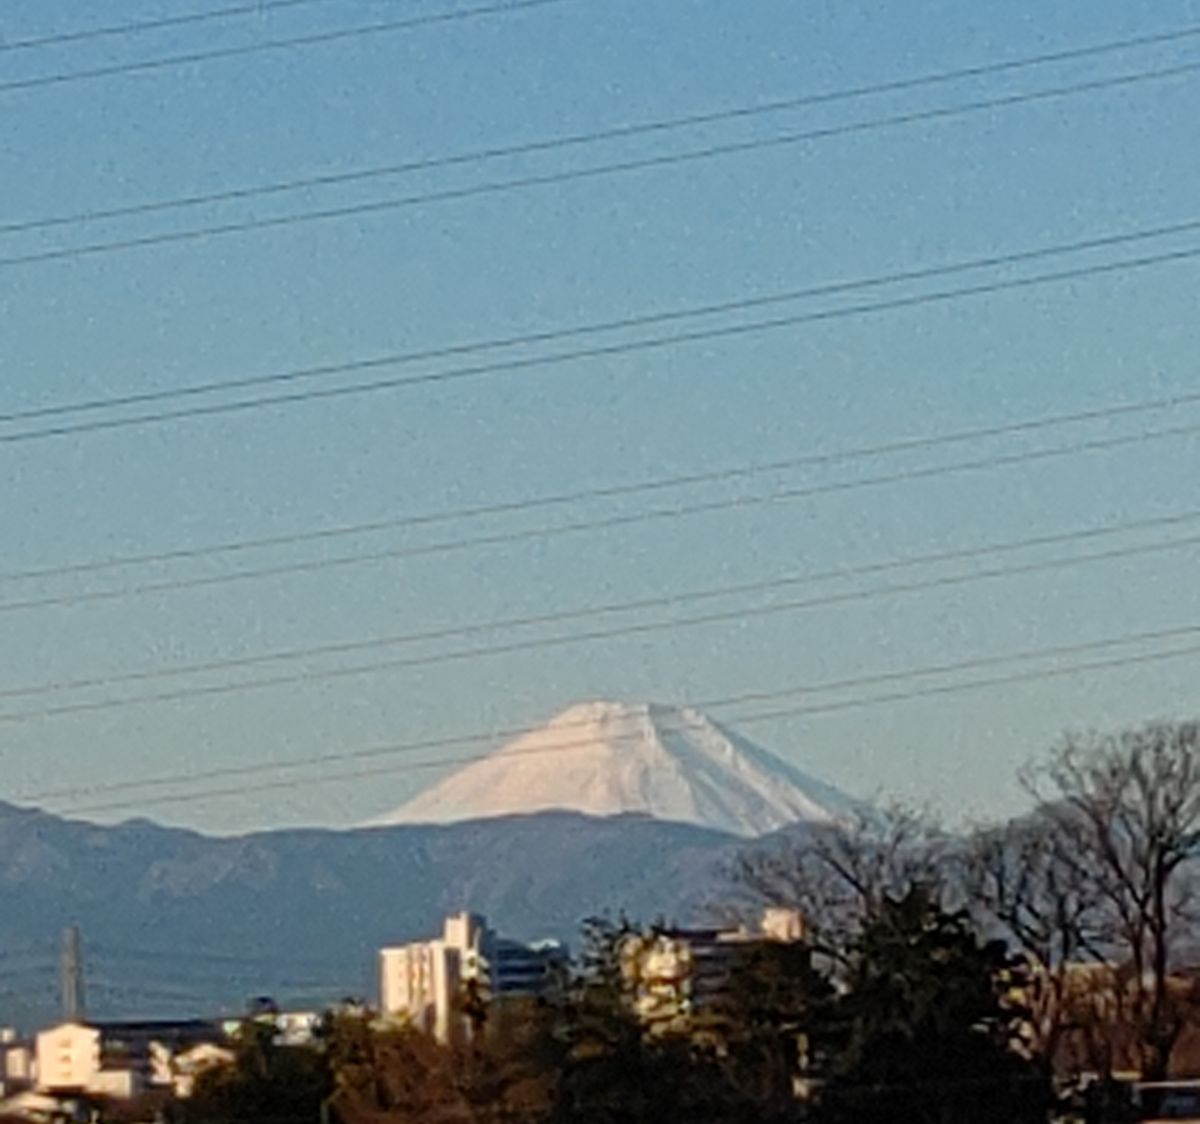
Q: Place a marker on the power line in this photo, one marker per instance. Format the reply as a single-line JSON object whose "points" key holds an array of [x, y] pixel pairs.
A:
{"points": [[745, 719], [313, 39], [618, 632], [671, 600], [616, 132], [644, 320], [614, 491], [202, 979], [509, 734], [608, 350], [43, 948], [521, 183], [163, 23], [998, 681], [258, 961], [608, 523], [155, 995], [49, 969]]}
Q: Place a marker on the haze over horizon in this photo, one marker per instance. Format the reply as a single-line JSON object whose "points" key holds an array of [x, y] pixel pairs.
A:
{"points": [[857, 204]]}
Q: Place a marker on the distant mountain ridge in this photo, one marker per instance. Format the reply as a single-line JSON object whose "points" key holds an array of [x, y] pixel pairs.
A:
{"points": [[611, 758], [176, 922], [608, 808]]}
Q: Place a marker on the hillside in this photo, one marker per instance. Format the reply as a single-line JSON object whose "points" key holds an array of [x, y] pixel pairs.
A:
{"points": [[176, 922]]}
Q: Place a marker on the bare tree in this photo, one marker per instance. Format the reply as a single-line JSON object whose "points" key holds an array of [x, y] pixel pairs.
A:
{"points": [[1021, 882], [838, 875], [1126, 809]]}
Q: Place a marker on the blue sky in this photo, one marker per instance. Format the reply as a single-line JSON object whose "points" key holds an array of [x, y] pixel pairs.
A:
{"points": [[586, 251]]}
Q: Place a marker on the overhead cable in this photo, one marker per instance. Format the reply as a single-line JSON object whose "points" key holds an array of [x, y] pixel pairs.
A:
{"points": [[643, 320], [622, 167], [607, 350], [295, 42], [742, 719], [504, 538], [616, 132], [665, 601], [615, 491], [141, 27], [725, 616]]}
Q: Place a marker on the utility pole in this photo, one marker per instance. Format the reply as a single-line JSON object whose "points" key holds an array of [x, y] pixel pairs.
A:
{"points": [[71, 981]]}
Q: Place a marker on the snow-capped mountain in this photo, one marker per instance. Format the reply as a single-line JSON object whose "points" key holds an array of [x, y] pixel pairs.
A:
{"points": [[610, 758]]}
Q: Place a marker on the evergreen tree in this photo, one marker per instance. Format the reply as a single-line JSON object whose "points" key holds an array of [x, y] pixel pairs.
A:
{"points": [[616, 1072], [772, 1024], [267, 1083], [927, 1026]]}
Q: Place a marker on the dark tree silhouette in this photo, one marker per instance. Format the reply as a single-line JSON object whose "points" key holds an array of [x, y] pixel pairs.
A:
{"points": [[927, 1026], [267, 1084]]}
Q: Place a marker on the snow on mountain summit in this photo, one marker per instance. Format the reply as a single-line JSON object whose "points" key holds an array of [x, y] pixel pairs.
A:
{"points": [[609, 758]]}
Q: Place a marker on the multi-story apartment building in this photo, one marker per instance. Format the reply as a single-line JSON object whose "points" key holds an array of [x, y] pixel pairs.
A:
{"points": [[425, 981], [673, 975]]}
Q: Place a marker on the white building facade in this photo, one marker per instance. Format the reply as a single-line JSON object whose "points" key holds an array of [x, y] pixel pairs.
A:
{"points": [[68, 1058], [424, 982], [120, 1060], [17, 1064]]}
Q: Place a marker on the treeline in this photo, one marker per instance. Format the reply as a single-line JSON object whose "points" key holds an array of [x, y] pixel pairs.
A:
{"points": [[943, 978], [921, 1028], [1096, 890]]}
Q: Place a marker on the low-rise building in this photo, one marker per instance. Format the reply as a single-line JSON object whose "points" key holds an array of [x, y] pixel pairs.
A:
{"points": [[117, 1060], [16, 1062], [180, 1070], [68, 1057]]}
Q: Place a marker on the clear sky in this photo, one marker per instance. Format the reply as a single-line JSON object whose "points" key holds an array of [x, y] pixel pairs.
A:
{"points": [[727, 228]]}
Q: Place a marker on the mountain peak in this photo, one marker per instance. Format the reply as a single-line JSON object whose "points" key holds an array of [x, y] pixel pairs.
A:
{"points": [[607, 758]]}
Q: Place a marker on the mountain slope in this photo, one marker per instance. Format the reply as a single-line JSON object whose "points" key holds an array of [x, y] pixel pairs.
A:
{"points": [[175, 922], [608, 758]]}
